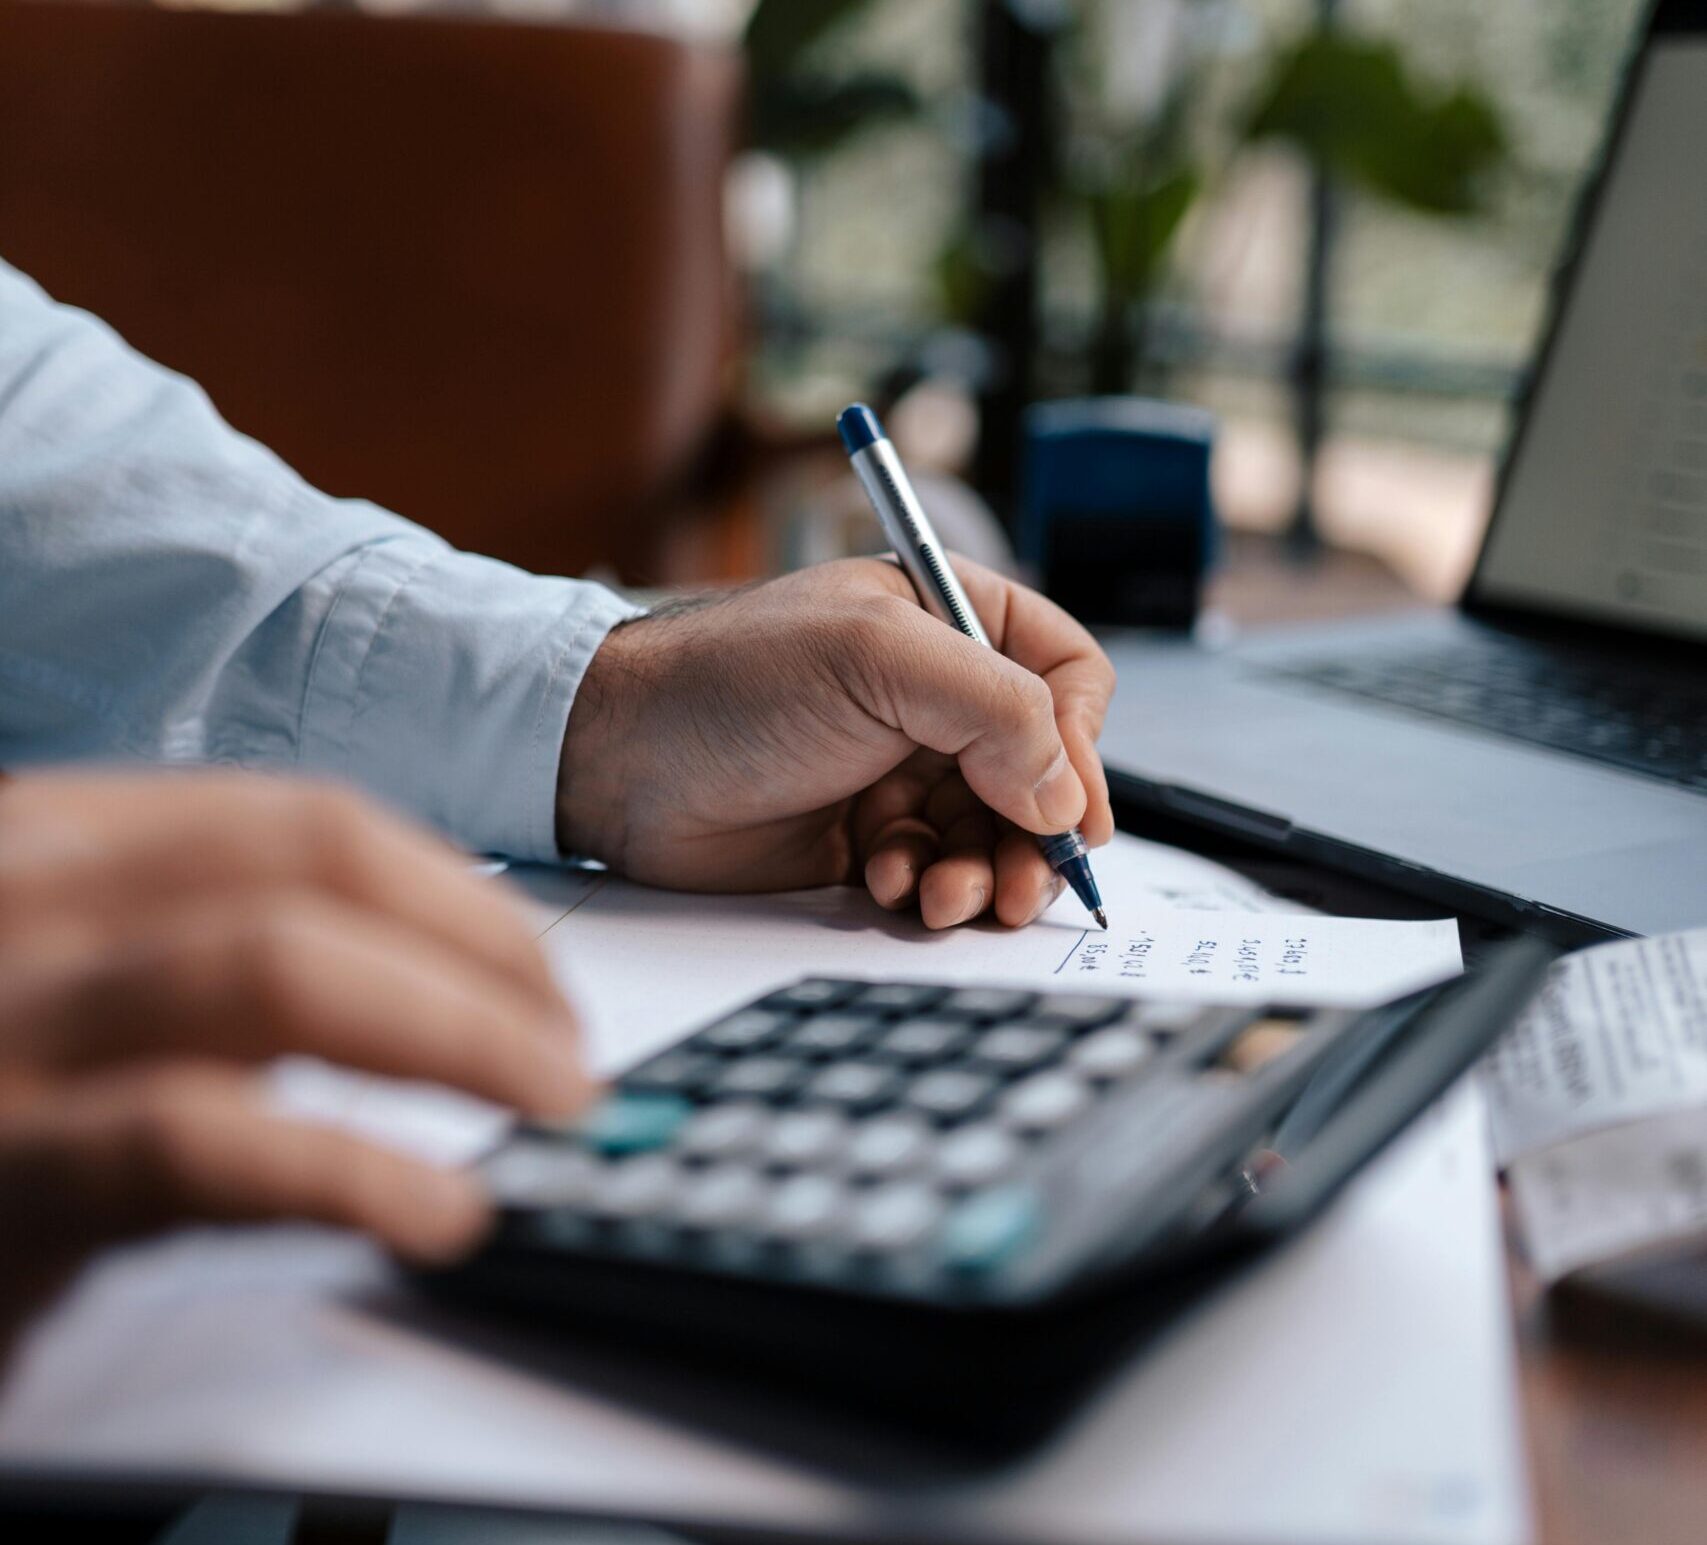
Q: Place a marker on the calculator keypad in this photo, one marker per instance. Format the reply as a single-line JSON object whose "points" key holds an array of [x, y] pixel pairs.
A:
{"points": [[833, 1127]]}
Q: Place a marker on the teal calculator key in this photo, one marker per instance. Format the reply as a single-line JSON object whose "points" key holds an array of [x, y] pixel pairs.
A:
{"points": [[633, 1123], [990, 1231]]}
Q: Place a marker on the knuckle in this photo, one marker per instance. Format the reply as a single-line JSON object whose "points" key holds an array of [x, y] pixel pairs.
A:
{"points": [[334, 832], [1027, 698], [272, 961], [166, 1134], [366, 1182], [866, 624], [326, 813]]}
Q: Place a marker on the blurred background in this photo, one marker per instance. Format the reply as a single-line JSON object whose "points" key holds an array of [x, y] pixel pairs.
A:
{"points": [[583, 283]]}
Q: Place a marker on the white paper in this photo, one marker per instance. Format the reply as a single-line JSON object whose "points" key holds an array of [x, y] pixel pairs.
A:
{"points": [[666, 961], [1615, 1195], [1618, 1033], [1355, 1388], [291, 1358]]}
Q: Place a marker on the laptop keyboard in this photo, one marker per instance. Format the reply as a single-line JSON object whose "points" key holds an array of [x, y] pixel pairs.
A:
{"points": [[1589, 709]]}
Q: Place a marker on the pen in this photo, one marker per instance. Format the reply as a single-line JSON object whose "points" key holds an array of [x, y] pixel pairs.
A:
{"points": [[914, 539]]}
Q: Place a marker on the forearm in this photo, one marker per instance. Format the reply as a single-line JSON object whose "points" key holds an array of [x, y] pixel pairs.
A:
{"points": [[171, 592]]}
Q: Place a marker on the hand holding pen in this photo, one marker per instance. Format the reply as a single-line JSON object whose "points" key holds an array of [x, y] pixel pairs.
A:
{"points": [[823, 728], [940, 592]]}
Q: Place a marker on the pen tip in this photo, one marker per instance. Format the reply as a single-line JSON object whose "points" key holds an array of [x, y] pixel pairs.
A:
{"points": [[1101, 917]]}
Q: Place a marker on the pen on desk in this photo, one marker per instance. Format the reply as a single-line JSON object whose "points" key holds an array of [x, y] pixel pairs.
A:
{"points": [[914, 539]]}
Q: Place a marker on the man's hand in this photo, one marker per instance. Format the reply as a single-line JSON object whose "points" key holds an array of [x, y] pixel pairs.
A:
{"points": [[162, 935], [824, 727]]}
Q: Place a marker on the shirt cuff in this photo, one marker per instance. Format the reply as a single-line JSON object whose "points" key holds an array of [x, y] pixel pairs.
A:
{"points": [[443, 681]]}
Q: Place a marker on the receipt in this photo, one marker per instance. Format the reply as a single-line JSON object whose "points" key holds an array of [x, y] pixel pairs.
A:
{"points": [[1618, 1033], [1614, 1196]]}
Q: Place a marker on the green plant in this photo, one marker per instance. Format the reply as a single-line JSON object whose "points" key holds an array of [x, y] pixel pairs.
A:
{"points": [[798, 106], [1354, 108], [1350, 105]]}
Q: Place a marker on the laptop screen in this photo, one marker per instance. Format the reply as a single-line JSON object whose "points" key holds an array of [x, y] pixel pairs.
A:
{"points": [[1603, 511]]}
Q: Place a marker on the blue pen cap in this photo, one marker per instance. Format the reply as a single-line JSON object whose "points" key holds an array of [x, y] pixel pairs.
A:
{"points": [[859, 427]]}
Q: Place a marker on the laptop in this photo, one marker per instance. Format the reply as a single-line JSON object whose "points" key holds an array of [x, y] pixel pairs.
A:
{"points": [[1537, 754]]}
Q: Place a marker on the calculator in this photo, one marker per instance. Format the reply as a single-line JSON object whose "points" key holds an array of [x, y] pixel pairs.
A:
{"points": [[955, 1203]]}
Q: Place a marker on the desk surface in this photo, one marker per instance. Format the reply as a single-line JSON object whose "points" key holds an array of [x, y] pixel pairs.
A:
{"points": [[1615, 1412]]}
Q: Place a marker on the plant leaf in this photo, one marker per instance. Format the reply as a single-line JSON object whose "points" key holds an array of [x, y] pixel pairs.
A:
{"points": [[1135, 223], [780, 32], [1350, 104]]}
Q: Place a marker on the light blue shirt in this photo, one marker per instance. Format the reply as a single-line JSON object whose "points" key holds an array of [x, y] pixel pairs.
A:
{"points": [[170, 592]]}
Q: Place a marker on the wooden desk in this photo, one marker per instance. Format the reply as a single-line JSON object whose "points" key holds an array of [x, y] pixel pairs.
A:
{"points": [[1615, 1411]]}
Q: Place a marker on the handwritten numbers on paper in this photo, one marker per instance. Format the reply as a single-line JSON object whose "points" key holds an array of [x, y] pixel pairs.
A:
{"points": [[1200, 959], [1135, 957], [1092, 954], [1247, 961]]}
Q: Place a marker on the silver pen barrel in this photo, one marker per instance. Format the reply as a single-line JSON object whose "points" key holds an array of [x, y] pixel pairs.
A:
{"points": [[914, 539]]}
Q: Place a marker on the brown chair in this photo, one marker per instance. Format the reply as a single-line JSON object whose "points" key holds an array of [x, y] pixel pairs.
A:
{"points": [[470, 269]]}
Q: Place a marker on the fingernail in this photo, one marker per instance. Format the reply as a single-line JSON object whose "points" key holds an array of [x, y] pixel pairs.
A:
{"points": [[1060, 795], [888, 894], [974, 907]]}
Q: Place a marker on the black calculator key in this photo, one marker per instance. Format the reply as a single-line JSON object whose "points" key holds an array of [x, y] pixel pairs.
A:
{"points": [[900, 998], [815, 993], [675, 1072], [726, 1131], [950, 1094], [804, 1139], [1018, 1048], [1077, 1011], [833, 1035], [745, 1030], [760, 1078], [927, 1039], [889, 1145], [986, 1003], [854, 1085]]}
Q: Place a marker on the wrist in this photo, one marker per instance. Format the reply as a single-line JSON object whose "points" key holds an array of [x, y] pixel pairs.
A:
{"points": [[592, 776]]}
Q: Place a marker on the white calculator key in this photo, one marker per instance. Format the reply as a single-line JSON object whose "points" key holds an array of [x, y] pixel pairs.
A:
{"points": [[804, 1138], [975, 1156], [527, 1174], [888, 1146], [1046, 1101], [729, 1196], [895, 1216], [638, 1188], [1111, 1053], [804, 1207], [724, 1131]]}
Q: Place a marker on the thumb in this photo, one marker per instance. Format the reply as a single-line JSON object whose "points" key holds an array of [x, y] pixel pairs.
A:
{"points": [[997, 719]]}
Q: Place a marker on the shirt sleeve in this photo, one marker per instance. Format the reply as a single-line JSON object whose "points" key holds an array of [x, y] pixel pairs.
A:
{"points": [[170, 592]]}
